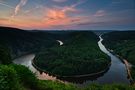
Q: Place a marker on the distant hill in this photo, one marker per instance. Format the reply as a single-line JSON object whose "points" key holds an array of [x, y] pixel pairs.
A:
{"points": [[21, 41], [25, 41], [100, 32]]}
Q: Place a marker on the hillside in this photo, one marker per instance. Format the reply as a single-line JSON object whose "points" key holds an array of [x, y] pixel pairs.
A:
{"points": [[15, 42], [21, 41], [79, 55]]}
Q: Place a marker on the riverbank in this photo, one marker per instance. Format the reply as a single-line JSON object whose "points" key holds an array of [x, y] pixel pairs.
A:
{"points": [[74, 76], [128, 66], [129, 71], [97, 78], [123, 44]]}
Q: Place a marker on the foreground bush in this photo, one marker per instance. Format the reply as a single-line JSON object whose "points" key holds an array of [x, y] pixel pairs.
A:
{"points": [[26, 77], [18, 77], [110, 87], [9, 79]]}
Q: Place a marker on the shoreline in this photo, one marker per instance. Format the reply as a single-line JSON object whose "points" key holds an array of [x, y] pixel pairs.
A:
{"points": [[128, 67], [73, 76]]}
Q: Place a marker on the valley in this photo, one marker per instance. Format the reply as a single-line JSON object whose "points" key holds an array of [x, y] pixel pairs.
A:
{"points": [[71, 60]]}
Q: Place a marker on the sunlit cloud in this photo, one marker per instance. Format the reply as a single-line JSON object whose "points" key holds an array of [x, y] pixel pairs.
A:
{"points": [[57, 16], [53, 14], [53, 17]]}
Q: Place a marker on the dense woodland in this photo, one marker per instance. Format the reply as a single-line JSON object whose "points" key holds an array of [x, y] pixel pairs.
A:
{"points": [[123, 44], [18, 77], [79, 55], [21, 42]]}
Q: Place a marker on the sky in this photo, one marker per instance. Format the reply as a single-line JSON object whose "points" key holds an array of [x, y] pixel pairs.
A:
{"points": [[68, 14]]}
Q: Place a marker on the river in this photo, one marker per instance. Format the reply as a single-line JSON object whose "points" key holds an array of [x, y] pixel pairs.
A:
{"points": [[116, 73]]}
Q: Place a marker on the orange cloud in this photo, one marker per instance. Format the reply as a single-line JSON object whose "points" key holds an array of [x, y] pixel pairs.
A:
{"points": [[60, 16], [19, 23], [53, 17]]}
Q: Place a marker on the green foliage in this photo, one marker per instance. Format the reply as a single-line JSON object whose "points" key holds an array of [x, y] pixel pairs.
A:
{"points": [[12, 79], [26, 77], [85, 53], [133, 72], [21, 42], [79, 55], [9, 79], [18, 77], [109, 87], [5, 57], [55, 85]]}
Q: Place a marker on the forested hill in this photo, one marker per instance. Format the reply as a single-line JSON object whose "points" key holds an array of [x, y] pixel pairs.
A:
{"points": [[18, 42], [119, 35], [120, 41], [21, 41], [18, 77], [80, 55], [123, 44]]}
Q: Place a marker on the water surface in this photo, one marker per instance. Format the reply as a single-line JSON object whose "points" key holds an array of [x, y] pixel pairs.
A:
{"points": [[116, 73]]}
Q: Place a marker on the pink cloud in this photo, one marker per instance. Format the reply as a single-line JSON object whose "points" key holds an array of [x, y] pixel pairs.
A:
{"points": [[60, 15], [50, 17]]}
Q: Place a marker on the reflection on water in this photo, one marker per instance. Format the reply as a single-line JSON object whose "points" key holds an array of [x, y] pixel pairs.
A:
{"points": [[115, 74], [81, 80], [27, 61]]}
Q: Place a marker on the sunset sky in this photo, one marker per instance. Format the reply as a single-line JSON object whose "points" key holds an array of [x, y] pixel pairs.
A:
{"points": [[68, 14]]}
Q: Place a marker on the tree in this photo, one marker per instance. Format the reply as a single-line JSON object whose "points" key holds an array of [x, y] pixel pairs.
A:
{"points": [[8, 79], [5, 57]]}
